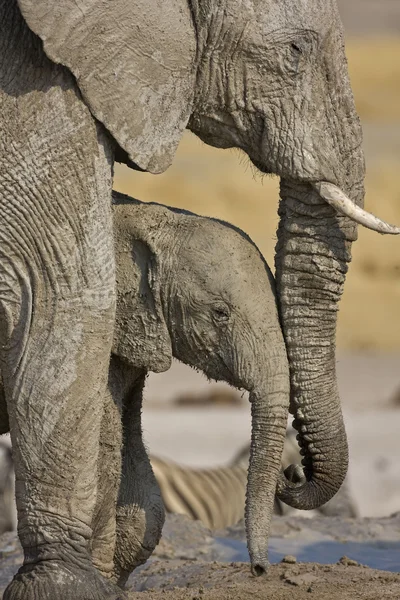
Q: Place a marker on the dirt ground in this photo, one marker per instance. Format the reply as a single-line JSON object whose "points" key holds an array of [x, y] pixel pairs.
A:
{"points": [[284, 582], [184, 568], [191, 565]]}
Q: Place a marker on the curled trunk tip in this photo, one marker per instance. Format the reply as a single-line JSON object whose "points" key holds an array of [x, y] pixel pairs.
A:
{"points": [[310, 491], [336, 198]]}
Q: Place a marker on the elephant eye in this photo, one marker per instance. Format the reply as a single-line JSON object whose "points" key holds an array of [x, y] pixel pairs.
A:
{"points": [[293, 59], [296, 48], [221, 312]]}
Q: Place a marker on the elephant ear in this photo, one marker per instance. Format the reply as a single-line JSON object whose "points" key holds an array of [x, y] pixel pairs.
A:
{"points": [[141, 335], [133, 61]]}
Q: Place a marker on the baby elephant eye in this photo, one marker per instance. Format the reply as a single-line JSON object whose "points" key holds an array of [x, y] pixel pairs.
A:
{"points": [[296, 48], [221, 312]]}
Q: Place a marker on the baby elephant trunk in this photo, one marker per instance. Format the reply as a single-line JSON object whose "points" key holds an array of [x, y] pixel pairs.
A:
{"points": [[269, 409]]}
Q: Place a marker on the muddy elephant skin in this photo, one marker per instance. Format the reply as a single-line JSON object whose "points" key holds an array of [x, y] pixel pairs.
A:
{"points": [[196, 289]]}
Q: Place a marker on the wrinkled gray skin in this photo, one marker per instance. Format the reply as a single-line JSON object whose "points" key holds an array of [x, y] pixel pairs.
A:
{"points": [[267, 76], [199, 290]]}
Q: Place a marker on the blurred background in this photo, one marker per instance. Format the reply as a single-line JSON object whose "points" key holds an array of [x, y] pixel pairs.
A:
{"points": [[189, 420]]}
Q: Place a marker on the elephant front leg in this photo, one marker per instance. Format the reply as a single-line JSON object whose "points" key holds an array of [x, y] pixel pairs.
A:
{"points": [[140, 508], [56, 326], [53, 395]]}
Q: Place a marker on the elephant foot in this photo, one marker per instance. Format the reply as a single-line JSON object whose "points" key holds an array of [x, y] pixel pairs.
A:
{"points": [[52, 580]]}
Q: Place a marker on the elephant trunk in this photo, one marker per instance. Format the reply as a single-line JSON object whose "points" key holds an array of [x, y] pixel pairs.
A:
{"points": [[269, 410], [312, 254]]}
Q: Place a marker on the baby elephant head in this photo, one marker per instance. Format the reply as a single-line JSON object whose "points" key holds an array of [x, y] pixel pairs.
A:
{"points": [[198, 289]]}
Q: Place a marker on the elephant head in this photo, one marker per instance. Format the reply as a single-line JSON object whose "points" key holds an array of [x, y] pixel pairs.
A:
{"points": [[269, 77], [207, 297]]}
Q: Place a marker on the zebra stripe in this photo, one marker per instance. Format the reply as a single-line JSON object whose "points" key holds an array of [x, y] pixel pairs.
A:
{"points": [[216, 496]]}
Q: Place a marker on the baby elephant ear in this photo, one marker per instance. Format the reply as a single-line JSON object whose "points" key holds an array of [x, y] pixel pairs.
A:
{"points": [[141, 335], [133, 61]]}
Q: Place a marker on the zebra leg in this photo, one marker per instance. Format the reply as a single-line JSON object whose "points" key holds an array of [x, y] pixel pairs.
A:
{"points": [[140, 509]]}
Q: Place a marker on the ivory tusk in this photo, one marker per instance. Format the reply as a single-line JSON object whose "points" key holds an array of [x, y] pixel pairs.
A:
{"points": [[342, 203]]}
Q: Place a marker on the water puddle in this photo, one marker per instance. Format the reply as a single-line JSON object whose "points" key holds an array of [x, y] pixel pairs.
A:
{"points": [[379, 554]]}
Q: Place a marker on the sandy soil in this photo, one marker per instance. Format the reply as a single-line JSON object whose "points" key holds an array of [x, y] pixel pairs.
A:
{"points": [[218, 581]]}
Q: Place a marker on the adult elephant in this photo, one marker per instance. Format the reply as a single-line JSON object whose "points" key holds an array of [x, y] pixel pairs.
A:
{"points": [[84, 82]]}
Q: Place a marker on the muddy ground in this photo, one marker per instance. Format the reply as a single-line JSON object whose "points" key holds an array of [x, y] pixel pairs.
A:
{"points": [[190, 564], [284, 582]]}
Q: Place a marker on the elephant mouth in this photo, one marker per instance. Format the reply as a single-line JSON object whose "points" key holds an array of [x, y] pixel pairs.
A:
{"points": [[343, 205], [261, 166], [328, 191]]}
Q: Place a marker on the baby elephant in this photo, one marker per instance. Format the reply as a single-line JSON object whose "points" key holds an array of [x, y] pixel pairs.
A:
{"points": [[199, 290], [196, 289]]}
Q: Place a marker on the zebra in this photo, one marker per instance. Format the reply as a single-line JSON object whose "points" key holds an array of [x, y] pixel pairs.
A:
{"points": [[216, 496]]}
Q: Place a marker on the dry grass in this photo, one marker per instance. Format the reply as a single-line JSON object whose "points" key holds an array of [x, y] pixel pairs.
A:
{"points": [[374, 65], [222, 184]]}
